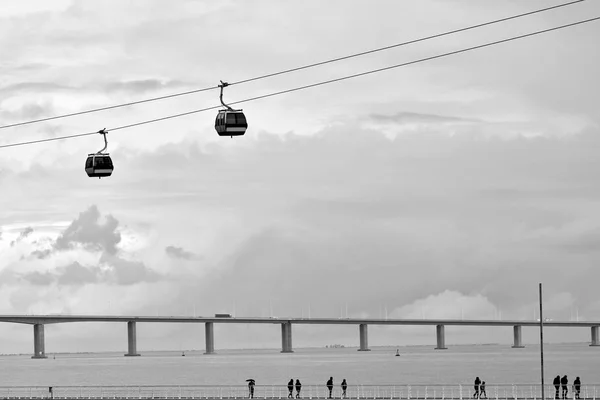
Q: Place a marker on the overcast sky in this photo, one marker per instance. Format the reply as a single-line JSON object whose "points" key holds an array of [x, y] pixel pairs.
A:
{"points": [[445, 189]]}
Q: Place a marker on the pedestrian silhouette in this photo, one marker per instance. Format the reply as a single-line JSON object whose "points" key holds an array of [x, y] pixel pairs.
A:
{"points": [[482, 391], [565, 389], [251, 383], [344, 387], [477, 383], [291, 389], [330, 386], [556, 383], [298, 388], [577, 387]]}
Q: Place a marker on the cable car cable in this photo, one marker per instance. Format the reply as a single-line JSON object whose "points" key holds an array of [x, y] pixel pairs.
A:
{"points": [[315, 84], [93, 110], [403, 43]]}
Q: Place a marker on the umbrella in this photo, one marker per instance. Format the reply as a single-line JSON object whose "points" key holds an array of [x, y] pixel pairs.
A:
{"points": [[250, 380]]}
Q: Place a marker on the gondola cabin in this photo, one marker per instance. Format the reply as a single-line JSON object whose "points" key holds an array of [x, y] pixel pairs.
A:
{"points": [[98, 165], [231, 123]]}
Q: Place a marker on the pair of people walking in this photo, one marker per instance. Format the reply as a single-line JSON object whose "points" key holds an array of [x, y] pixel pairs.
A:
{"points": [[344, 386], [479, 389], [563, 383], [290, 386]]}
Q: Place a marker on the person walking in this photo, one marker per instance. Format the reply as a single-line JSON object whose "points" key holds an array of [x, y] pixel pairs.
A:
{"points": [[298, 388], [565, 388], [482, 391], [577, 387], [251, 383], [291, 389], [330, 386], [476, 386], [556, 383], [344, 387]]}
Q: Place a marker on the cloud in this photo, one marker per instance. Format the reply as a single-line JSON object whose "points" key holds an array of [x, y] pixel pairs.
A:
{"points": [[448, 304], [26, 111], [41, 253], [110, 270], [143, 85], [180, 253], [26, 232], [87, 230], [76, 274], [404, 117], [126, 272], [35, 87], [39, 278]]}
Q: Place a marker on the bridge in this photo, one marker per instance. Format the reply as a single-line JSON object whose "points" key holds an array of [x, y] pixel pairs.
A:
{"points": [[38, 322]]}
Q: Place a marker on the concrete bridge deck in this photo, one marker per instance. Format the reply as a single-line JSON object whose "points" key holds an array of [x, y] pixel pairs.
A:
{"points": [[39, 321]]}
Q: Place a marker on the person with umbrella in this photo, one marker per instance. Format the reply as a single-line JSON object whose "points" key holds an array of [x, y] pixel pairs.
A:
{"points": [[251, 383]]}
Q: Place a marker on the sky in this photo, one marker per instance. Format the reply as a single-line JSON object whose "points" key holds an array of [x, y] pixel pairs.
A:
{"points": [[445, 189]]}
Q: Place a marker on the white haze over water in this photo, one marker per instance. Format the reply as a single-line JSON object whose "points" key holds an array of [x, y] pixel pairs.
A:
{"points": [[495, 364]]}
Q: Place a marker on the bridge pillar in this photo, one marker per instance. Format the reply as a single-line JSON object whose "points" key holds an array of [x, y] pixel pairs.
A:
{"points": [[131, 340], [440, 336], [364, 338], [209, 337], [39, 345], [517, 344], [286, 337], [595, 341]]}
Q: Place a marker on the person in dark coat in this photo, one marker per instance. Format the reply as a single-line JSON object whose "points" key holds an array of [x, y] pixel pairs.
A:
{"points": [[330, 386], [556, 383], [577, 387], [291, 389], [476, 386], [482, 391], [564, 382], [344, 387], [298, 388]]}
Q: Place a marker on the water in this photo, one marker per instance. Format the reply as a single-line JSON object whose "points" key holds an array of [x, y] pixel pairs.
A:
{"points": [[417, 365]]}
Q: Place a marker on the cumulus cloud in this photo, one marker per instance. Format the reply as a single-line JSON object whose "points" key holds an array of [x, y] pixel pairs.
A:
{"points": [[26, 232], [41, 253], [448, 304], [39, 278], [404, 117], [76, 274], [143, 85], [126, 272], [110, 270], [179, 253], [26, 110], [88, 231]]}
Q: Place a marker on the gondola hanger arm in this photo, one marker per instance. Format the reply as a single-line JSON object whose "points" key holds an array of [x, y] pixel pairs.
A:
{"points": [[223, 85], [103, 132]]}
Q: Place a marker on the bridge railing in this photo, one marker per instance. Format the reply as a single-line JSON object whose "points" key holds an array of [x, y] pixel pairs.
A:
{"points": [[400, 391]]}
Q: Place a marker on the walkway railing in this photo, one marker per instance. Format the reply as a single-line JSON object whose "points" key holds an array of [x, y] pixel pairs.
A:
{"points": [[419, 392]]}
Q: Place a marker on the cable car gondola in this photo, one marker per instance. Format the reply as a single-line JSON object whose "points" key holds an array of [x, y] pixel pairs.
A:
{"points": [[230, 122], [99, 164]]}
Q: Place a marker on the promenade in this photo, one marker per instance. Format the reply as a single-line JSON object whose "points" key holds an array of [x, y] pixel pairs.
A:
{"points": [[417, 392]]}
